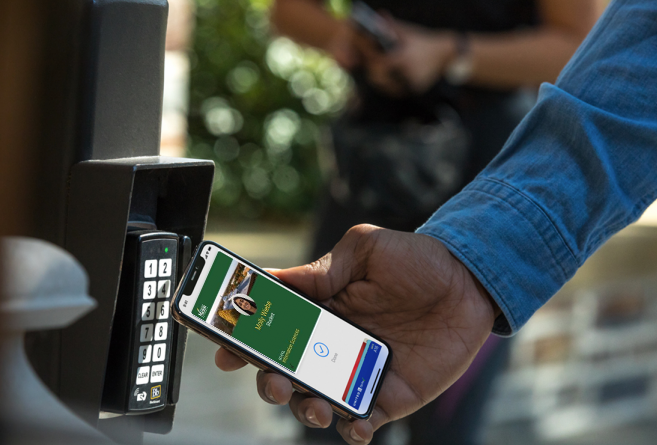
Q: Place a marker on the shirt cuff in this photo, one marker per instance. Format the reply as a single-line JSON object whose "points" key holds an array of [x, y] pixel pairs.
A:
{"points": [[508, 242]]}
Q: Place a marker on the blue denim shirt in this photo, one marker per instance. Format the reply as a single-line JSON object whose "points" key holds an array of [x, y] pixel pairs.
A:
{"points": [[581, 166]]}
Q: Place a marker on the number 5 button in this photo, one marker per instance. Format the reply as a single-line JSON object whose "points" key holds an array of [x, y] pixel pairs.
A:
{"points": [[147, 311]]}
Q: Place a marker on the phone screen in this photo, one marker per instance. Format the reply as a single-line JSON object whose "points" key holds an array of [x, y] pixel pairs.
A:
{"points": [[289, 332]]}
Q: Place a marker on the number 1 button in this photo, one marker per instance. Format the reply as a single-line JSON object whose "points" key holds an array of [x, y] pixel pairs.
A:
{"points": [[150, 271]]}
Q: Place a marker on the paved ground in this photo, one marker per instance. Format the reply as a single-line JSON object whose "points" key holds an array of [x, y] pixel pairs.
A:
{"points": [[224, 409]]}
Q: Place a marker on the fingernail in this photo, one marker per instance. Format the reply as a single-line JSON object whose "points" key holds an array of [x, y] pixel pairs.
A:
{"points": [[311, 417], [270, 395], [354, 435]]}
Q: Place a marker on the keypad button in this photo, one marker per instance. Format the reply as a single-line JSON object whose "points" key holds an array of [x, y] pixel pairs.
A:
{"points": [[162, 310], [161, 331], [150, 289], [159, 352], [147, 311], [146, 333], [165, 267], [145, 354], [150, 269], [164, 289], [157, 373], [142, 374]]}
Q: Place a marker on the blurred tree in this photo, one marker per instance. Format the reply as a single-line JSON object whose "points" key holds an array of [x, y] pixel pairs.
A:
{"points": [[256, 105]]}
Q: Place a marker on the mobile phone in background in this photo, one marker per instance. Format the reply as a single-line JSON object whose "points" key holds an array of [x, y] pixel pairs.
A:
{"points": [[276, 328], [373, 25]]}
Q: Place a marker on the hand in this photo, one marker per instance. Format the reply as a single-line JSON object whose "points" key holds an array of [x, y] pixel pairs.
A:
{"points": [[422, 55], [348, 47], [406, 288]]}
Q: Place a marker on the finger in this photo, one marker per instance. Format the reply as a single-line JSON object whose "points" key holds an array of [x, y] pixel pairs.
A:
{"points": [[311, 411], [227, 361], [334, 271], [360, 431], [274, 388]]}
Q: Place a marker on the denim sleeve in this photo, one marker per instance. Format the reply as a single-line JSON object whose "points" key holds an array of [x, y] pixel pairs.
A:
{"points": [[581, 166]]}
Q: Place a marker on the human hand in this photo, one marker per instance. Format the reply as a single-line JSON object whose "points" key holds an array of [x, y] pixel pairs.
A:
{"points": [[421, 55], [409, 290], [348, 47]]}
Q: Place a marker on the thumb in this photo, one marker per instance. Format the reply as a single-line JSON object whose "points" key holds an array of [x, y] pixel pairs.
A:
{"points": [[346, 263]]}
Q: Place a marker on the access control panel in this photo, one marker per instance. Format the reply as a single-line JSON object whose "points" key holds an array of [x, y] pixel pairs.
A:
{"points": [[140, 351]]}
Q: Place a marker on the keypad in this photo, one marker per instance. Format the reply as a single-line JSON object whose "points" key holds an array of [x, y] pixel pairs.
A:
{"points": [[153, 324]]}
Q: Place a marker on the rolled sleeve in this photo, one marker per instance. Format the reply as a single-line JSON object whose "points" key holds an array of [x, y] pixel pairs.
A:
{"points": [[507, 241], [581, 166]]}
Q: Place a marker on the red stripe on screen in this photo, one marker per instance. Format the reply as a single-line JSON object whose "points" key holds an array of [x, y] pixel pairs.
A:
{"points": [[353, 372]]}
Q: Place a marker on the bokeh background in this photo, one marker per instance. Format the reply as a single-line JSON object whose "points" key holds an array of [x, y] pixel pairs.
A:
{"points": [[583, 371]]}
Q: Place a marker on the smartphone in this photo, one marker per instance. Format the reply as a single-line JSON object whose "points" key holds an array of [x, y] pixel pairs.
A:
{"points": [[374, 26], [277, 328]]}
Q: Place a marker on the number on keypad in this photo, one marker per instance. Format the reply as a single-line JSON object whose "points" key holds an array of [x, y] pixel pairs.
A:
{"points": [[146, 333], [165, 268], [161, 331], [147, 311], [163, 288], [163, 310], [149, 290], [145, 354], [150, 269], [159, 352]]}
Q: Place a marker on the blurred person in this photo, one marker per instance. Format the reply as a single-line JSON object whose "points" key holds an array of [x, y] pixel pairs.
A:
{"points": [[460, 62], [428, 115], [579, 168]]}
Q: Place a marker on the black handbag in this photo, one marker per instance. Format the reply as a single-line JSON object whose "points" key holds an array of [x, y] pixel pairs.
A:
{"points": [[402, 170]]}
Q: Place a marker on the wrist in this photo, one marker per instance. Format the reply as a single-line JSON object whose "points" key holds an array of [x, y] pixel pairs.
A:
{"points": [[458, 71], [487, 297]]}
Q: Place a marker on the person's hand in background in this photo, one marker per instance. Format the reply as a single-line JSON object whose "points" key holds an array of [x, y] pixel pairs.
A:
{"points": [[421, 55], [416, 62], [406, 288]]}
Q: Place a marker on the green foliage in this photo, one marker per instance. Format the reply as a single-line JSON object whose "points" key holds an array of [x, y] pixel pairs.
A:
{"points": [[257, 103]]}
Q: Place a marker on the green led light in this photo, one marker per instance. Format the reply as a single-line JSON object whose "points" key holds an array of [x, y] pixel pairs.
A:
{"points": [[166, 249]]}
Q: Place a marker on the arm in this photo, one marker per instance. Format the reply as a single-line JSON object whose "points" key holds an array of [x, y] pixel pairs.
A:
{"points": [[501, 60], [308, 22], [580, 167], [534, 56]]}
